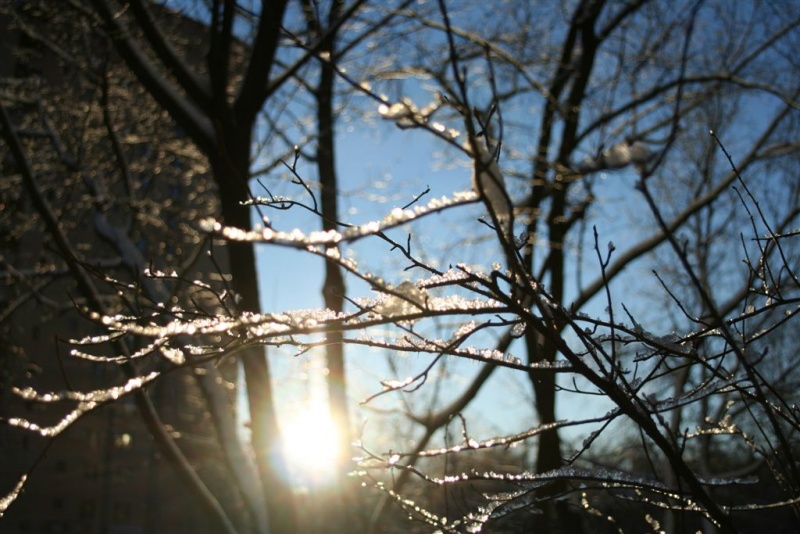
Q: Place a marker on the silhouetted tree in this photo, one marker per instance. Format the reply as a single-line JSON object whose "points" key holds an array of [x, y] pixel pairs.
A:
{"points": [[564, 115]]}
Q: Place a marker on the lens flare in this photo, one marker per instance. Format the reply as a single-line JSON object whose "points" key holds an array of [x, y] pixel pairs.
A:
{"points": [[310, 445]]}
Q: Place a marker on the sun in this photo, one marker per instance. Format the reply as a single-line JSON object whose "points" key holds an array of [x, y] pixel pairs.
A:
{"points": [[310, 447]]}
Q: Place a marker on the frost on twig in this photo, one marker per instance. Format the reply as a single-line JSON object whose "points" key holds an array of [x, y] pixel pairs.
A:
{"points": [[406, 114], [299, 239], [6, 501], [627, 152], [86, 402], [488, 182], [405, 299]]}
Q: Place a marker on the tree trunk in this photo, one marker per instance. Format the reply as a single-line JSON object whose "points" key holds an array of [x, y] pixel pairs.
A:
{"points": [[231, 175], [333, 292]]}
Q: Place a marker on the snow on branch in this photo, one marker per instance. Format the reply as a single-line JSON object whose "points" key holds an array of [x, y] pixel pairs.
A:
{"points": [[86, 402], [6, 501], [299, 239]]}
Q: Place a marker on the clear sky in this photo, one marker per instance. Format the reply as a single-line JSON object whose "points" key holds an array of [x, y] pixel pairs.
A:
{"points": [[381, 167]]}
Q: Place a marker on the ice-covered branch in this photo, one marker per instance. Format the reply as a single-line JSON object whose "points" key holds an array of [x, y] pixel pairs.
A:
{"points": [[299, 239]]}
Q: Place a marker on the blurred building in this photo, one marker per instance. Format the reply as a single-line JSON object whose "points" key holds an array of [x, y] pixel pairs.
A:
{"points": [[104, 156]]}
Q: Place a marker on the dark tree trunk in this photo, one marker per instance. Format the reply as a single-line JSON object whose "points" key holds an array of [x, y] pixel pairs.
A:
{"points": [[343, 504], [231, 175]]}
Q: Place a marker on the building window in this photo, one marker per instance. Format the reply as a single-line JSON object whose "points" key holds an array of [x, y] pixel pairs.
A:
{"points": [[121, 512], [57, 526], [93, 439], [122, 473], [87, 510], [92, 472]]}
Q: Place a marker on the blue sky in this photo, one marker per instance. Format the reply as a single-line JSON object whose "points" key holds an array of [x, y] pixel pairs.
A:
{"points": [[381, 167], [384, 161]]}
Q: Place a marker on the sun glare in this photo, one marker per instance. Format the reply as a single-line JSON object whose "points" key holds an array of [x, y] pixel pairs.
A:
{"points": [[310, 441]]}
